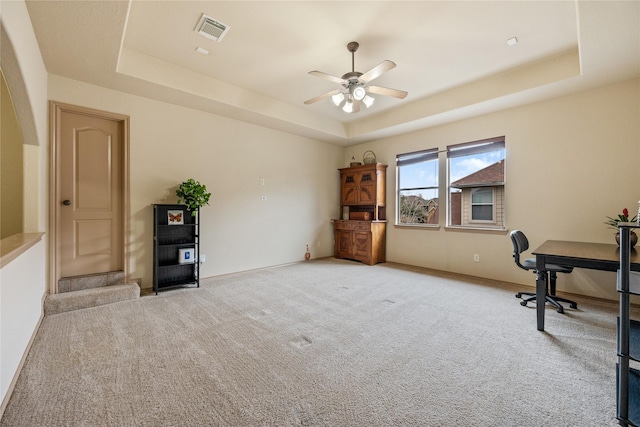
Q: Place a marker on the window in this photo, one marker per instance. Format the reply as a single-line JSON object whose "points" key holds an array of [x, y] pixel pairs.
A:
{"points": [[482, 204], [417, 188], [476, 183]]}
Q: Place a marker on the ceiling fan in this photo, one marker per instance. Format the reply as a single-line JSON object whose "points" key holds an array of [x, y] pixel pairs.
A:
{"points": [[354, 85]]}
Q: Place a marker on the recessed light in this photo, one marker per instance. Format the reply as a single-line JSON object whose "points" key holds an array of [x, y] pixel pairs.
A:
{"points": [[202, 51], [512, 41]]}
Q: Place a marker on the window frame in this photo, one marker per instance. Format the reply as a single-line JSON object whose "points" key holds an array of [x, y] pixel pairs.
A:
{"points": [[415, 157], [468, 149]]}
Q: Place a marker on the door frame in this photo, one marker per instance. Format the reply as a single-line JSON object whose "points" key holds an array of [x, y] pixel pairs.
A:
{"points": [[55, 111]]}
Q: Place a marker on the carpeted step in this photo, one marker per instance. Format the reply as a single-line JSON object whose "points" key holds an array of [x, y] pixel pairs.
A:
{"points": [[76, 300]]}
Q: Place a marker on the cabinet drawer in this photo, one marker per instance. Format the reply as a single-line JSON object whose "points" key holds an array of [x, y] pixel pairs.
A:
{"points": [[352, 225], [362, 226]]}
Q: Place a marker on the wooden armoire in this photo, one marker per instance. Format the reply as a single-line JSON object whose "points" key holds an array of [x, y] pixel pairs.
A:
{"points": [[361, 233]]}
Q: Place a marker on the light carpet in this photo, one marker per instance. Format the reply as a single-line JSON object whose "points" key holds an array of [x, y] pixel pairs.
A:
{"points": [[322, 343]]}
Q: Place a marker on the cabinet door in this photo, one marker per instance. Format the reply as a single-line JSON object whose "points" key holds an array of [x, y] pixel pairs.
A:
{"points": [[362, 245], [343, 243], [367, 188], [348, 188]]}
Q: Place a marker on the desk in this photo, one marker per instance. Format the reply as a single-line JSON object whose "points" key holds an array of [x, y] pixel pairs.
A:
{"points": [[594, 256]]}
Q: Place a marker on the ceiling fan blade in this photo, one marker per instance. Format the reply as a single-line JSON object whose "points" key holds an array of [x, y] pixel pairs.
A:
{"points": [[379, 90], [323, 96], [327, 77], [377, 71]]}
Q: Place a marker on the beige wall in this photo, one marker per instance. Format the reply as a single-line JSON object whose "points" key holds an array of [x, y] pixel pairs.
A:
{"points": [[22, 282], [34, 197], [11, 162], [570, 162], [26, 77], [169, 144], [21, 296]]}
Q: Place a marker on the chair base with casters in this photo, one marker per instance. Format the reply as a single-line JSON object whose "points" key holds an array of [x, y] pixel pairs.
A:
{"points": [[521, 244], [549, 297]]}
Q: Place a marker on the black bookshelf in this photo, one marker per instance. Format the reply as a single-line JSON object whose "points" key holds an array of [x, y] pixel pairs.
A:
{"points": [[175, 247], [627, 377]]}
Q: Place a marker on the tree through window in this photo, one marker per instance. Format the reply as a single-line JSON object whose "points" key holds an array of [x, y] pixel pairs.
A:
{"points": [[417, 187]]}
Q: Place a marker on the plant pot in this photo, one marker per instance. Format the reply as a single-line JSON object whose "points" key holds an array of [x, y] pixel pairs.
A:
{"points": [[633, 237]]}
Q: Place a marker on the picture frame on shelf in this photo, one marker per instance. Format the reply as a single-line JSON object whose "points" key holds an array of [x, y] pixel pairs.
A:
{"points": [[175, 217], [186, 256]]}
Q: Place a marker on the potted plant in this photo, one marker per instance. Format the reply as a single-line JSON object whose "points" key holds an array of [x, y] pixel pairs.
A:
{"points": [[624, 217], [193, 194]]}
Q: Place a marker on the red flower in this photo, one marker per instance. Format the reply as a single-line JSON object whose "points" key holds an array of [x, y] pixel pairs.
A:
{"points": [[624, 217]]}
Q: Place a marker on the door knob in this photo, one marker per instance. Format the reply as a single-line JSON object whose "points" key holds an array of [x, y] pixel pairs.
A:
{"points": [[66, 202]]}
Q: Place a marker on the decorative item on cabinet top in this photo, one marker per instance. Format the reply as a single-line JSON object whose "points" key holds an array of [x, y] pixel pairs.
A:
{"points": [[369, 157], [360, 216], [354, 163]]}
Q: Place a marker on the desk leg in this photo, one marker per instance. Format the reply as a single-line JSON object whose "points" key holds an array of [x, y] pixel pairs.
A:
{"points": [[541, 289], [541, 297]]}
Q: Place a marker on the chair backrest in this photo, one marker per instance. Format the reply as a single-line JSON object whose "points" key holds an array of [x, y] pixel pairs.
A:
{"points": [[520, 244]]}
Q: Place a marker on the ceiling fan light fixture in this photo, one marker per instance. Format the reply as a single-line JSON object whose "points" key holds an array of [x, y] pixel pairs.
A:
{"points": [[358, 92], [348, 107], [368, 101], [338, 98]]}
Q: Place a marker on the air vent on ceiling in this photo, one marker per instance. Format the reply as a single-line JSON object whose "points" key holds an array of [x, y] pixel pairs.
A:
{"points": [[211, 29]]}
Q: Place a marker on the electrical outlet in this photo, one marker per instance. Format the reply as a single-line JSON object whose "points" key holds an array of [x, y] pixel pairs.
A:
{"points": [[261, 181], [476, 257], [203, 258]]}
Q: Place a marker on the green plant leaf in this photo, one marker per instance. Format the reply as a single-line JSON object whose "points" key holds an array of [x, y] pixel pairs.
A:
{"points": [[193, 194]]}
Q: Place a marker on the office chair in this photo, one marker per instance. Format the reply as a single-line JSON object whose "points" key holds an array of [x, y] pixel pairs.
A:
{"points": [[521, 244]]}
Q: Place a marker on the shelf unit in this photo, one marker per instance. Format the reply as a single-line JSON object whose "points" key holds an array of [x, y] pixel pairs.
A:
{"points": [[627, 376], [169, 240], [361, 233]]}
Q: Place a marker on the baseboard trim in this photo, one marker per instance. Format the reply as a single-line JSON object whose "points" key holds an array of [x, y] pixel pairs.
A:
{"points": [[148, 291], [23, 359]]}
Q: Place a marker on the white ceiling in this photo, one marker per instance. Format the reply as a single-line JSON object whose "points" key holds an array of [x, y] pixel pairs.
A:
{"points": [[451, 56]]}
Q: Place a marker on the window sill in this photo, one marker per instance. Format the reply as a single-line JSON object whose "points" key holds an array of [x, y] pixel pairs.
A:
{"points": [[467, 229], [13, 246], [418, 226], [477, 229]]}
